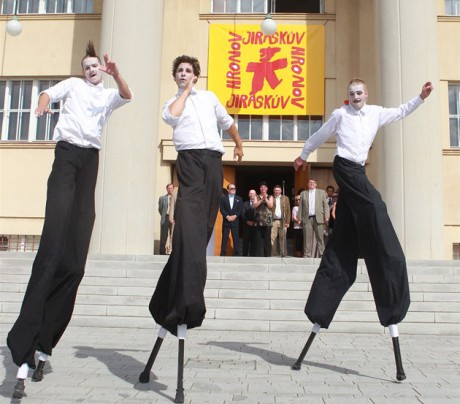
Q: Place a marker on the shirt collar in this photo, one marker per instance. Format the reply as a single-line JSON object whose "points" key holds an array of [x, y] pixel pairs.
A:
{"points": [[181, 90], [363, 111], [101, 84]]}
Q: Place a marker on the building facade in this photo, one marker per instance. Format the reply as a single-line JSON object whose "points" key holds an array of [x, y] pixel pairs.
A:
{"points": [[395, 45]]}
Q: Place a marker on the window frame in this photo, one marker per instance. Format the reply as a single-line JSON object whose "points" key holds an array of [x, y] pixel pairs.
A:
{"points": [[452, 7], [314, 123], [269, 6], [454, 115], [26, 106], [8, 7]]}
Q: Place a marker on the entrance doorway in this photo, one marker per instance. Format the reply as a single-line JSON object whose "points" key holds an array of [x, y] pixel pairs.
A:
{"points": [[249, 177]]}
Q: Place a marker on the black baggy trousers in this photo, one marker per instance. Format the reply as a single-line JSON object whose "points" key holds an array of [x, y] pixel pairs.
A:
{"points": [[60, 261], [362, 227], [178, 297]]}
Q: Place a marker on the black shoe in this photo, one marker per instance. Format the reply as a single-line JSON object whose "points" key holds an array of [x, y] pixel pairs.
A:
{"points": [[38, 374], [19, 389]]}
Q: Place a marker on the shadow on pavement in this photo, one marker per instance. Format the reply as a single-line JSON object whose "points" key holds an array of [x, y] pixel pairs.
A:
{"points": [[280, 359], [113, 356]]}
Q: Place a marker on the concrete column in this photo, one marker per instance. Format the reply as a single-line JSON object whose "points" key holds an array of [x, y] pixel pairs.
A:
{"points": [[131, 34], [409, 152]]}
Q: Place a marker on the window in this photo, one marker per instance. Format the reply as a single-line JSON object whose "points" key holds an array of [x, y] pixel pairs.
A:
{"points": [[250, 127], [46, 6], [14, 242], [452, 7], [456, 251], [454, 114], [18, 100], [296, 6], [264, 6], [239, 6], [274, 128]]}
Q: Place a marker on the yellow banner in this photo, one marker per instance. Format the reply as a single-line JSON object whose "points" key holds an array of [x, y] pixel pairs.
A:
{"points": [[255, 74]]}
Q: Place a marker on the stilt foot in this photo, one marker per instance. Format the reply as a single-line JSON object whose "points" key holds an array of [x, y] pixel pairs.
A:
{"points": [[144, 377], [19, 388], [37, 376], [296, 366], [400, 376], [179, 396]]}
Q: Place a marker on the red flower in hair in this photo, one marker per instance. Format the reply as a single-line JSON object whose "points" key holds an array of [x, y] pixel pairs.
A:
{"points": [[346, 102]]}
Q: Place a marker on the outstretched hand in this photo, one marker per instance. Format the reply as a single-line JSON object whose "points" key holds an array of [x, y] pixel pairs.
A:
{"points": [[298, 162], [42, 110], [110, 67], [238, 153], [426, 90]]}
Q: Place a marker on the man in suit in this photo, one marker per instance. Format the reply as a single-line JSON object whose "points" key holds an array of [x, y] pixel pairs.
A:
{"points": [[281, 219], [329, 194], [249, 225], [164, 203], [231, 207], [314, 215]]}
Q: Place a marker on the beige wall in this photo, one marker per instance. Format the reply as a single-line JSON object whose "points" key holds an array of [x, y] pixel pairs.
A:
{"points": [[47, 46], [24, 171], [353, 48]]}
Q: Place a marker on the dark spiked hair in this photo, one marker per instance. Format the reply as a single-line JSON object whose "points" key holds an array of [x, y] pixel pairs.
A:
{"points": [[90, 52]]}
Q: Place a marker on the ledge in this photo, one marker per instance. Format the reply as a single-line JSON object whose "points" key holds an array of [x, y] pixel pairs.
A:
{"points": [[451, 152], [260, 17], [51, 17], [4, 144]]}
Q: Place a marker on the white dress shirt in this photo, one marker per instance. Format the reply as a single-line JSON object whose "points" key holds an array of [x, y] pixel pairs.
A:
{"points": [[355, 130], [86, 108], [311, 202], [278, 214], [197, 127]]}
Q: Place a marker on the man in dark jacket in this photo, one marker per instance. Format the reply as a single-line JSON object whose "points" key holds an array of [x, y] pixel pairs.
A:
{"points": [[231, 206]]}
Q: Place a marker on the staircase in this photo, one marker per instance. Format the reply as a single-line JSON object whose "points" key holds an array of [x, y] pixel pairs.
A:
{"points": [[242, 293]]}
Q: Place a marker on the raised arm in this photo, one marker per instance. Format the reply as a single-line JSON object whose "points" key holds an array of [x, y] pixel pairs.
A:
{"points": [[111, 69]]}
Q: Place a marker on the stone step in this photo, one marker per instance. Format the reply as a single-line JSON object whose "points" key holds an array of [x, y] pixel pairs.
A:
{"points": [[247, 294]]}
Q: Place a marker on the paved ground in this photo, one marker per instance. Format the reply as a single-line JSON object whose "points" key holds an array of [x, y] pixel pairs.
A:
{"points": [[102, 366]]}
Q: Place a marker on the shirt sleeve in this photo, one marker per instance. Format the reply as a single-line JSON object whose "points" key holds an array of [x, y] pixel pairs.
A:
{"points": [[321, 135], [389, 115], [60, 90], [166, 115], [116, 100], [224, 120]]}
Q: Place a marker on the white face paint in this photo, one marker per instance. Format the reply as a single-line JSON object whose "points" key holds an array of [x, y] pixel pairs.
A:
{"points": [[357, 95], [91, 70], [184, 75]]}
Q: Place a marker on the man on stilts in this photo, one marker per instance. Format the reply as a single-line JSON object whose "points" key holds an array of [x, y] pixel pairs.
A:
{"points": [[178, 302], [362, 225], [60, 263]]}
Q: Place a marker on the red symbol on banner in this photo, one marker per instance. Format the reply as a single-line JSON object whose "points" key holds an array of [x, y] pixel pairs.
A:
{"points": [[265, 70]]}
